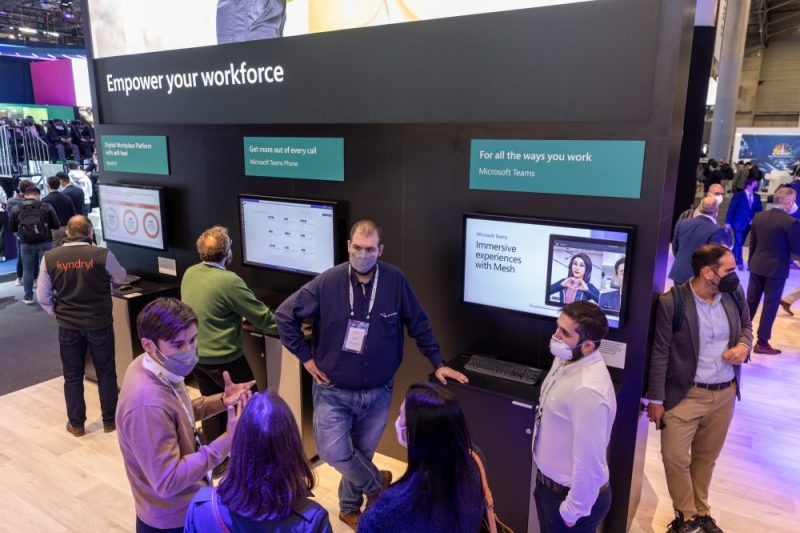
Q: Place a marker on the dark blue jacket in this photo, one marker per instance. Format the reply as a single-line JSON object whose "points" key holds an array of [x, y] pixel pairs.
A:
{"points": [[311, 517], [62, 204], [740, 215], [394, 511], [325, 300], [691, 234], [774, 237], [75, 194]]}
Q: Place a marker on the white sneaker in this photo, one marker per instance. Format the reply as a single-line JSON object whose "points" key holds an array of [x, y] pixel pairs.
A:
{"points": [[19, 282], [27, 301]]}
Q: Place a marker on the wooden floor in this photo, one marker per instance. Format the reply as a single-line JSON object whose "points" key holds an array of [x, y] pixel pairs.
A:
{"points": [[53, 482]]}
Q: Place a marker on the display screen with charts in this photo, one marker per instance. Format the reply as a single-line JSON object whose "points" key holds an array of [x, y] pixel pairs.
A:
{"points": [[131, 214], [538, 266], [288, 234]]}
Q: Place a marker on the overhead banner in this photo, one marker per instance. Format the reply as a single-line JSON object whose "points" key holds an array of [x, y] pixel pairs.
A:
{"points": [[156, 63], [140, 154], [295, 157], [585, 168]]}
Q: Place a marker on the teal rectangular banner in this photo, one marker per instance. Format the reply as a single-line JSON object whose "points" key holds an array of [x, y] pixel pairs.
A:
{"points": [[307, 158], [585, 168], [141, 154]]}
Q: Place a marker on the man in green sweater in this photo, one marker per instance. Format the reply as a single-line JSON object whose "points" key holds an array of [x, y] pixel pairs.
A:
{"points": [[220, 298]]}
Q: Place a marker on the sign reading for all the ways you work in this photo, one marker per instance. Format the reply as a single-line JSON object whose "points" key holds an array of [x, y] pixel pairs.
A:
{"points": [[295, 157], [141, 154], [587, 168]]}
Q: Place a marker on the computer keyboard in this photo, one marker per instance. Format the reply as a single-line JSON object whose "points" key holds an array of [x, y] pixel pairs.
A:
{"points": [[503, 369], [131, 278]]}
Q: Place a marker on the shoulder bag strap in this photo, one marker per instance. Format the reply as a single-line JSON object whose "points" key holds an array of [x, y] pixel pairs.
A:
{"points": [[217, 515], [487, 494]]}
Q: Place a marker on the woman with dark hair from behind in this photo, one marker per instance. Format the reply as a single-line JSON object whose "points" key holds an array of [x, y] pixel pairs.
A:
{"points": [[441, 489], [268, 482]]}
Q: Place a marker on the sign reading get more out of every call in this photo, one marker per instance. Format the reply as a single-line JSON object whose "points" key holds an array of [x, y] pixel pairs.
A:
{"points": [[311, 158], [586, 168], [140, 154]]}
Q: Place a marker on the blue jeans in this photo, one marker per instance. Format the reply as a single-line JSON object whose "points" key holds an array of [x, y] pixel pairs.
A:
{"points": [[347, 427], [31, 257], [550, 521], [73, 344]]}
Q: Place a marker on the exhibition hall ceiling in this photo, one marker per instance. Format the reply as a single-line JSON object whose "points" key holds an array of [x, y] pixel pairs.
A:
{"points": [[770, 18], [48, 22]]}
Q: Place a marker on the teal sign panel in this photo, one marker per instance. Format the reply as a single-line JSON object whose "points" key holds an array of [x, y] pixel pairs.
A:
{"points": [[587, 168], [141, 154], [306, 158]]}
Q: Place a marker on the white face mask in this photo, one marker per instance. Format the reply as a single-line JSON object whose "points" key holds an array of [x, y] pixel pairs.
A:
{"points": [[402, 431], [719, 198], [793, 209], [562, 350]]}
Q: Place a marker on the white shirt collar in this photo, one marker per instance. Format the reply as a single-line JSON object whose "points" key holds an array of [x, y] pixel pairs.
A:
{"points": [[221, 266], [152, 365]]}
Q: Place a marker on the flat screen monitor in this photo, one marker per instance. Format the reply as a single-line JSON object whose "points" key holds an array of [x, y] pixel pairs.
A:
{"points": [[537, 266], [288, 234], [131, 214]]}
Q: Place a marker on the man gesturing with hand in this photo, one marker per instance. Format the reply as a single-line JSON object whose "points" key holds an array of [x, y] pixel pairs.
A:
{"points": [[359, 310], [165, 459], [702, 336]]}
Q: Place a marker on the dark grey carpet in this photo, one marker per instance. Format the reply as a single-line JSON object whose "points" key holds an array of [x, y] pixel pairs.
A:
{"points": [[28, 342]]}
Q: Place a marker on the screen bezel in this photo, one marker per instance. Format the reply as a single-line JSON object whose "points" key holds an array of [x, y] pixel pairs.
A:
{"points": [[291, 200], [628, 230], [159, 190]]}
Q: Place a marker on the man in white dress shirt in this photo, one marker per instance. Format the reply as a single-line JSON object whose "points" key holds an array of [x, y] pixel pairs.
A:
{"points": [[574, 417]]}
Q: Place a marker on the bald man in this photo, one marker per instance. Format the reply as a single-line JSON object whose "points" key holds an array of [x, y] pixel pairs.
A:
{"points": [[691, 234]]}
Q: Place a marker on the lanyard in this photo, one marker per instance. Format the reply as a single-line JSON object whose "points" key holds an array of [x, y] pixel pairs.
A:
{"points": [[189, 416], [371, 298]]}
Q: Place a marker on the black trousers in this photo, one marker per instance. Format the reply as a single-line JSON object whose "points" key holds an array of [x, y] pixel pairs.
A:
{"points": [[772, 289], [209, 380]]}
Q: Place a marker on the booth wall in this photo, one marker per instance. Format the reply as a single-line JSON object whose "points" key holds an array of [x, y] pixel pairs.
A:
{"points": [[414, 179]]}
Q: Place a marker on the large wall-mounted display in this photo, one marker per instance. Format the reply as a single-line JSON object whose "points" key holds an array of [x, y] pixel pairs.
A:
{"points": [[288, 234], [441, 68], [505, 267], [772, 149], [131, 214]]}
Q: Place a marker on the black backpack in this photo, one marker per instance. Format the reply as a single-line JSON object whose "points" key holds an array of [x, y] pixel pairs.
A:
{"points": [[677, 313], [33, 224]]}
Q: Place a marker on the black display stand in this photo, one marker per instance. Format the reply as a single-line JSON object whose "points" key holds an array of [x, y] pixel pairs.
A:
{"points": [[126, 307], [499, 416]]}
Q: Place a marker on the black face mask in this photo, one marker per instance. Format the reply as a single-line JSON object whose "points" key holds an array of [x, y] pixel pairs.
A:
{"points": [[728, 283]]}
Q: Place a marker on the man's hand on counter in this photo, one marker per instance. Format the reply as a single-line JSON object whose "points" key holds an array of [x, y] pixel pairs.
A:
{"points": [[445, 372]]}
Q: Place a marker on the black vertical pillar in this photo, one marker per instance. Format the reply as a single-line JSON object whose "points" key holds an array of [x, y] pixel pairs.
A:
{"points": [[694, 117]]}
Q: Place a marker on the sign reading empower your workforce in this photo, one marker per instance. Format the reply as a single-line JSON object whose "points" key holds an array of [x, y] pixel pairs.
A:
{"points": [[310, 158], [141, 154], [588, 168]]}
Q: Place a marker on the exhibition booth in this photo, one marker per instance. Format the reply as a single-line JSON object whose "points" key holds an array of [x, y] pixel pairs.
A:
{"points": [[493, 144]]}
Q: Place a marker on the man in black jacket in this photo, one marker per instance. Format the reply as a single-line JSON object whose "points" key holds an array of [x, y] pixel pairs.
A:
{"points": [[775, 236], [702, 336], [63, 206], [75, 287], [32, 222], [74, 192]]}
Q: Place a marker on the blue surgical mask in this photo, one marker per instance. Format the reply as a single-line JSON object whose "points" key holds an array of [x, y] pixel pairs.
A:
{"points": [[363, 261], [179, 363]]}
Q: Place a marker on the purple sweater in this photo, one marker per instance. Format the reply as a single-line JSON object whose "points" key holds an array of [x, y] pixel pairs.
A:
{"points": [[158, 446]]}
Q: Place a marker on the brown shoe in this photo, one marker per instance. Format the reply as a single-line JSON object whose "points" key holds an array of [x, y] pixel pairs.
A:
{"points": [[386, 480], [787, 307], [766, 349], [109, 428], [77, 431], [350, 518]]}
